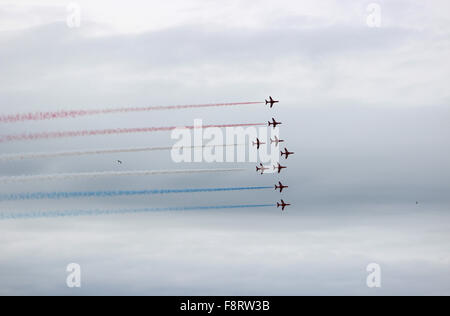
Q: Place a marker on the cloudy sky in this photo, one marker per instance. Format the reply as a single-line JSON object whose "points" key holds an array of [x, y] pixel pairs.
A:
{"points": [[366, 110]]}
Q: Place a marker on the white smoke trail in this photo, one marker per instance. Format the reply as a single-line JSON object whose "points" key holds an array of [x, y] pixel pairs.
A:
{"points": [[23, 156], [62, 176]]}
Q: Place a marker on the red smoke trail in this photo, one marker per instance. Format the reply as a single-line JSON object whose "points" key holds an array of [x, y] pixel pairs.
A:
{"points": [[64, 134], [38, 116]]}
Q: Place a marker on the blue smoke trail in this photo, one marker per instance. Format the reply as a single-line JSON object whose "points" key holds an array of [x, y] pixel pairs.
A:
{"points": [[76, 213], [88, 194]]}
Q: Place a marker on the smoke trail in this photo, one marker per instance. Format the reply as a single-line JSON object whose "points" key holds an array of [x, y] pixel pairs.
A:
{"points": [[88, 194], [75, 213], [64, 134], [37, 116], [62, 176], [22, 156]]}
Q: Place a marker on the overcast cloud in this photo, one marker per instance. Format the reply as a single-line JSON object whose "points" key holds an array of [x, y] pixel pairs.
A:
{"points": [[365, 110]]}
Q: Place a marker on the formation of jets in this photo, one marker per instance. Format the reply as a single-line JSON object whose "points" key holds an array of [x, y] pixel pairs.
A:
{"points": [[286, 153]]}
